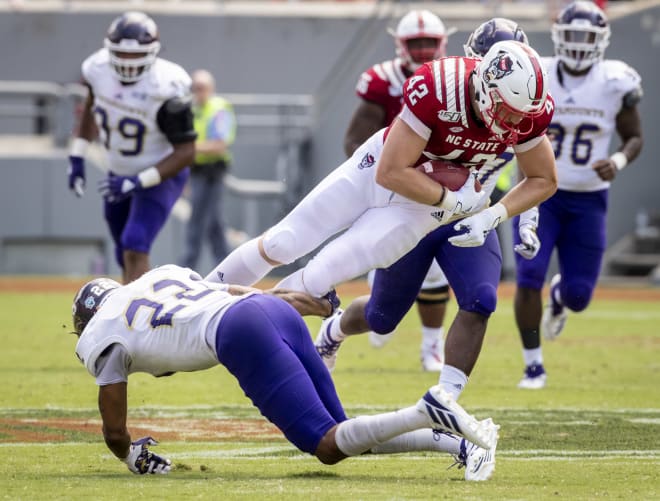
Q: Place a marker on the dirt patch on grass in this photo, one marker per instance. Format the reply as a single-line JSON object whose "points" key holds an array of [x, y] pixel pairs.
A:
{"points": [[171, 430]]}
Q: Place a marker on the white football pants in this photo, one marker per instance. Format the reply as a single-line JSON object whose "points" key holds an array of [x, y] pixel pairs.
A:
{"points": [[381, 226]]}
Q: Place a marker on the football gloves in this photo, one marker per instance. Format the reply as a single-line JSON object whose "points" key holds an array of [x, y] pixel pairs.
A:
{"points": [[141, 460], [76, 174], [465, 200], [477, 227], [530, 244], [116, 188]]}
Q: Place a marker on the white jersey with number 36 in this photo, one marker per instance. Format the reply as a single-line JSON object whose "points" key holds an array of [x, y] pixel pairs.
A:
{"points": [[166, 320], [585, 120], [126, 114]]}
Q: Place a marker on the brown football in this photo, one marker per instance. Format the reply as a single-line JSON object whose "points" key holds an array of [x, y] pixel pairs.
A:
{"points": [[448, 174]]}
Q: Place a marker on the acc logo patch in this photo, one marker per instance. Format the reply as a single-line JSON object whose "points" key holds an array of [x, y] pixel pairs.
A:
{"points": [[90, 302], [499, 67], [367, 161]]}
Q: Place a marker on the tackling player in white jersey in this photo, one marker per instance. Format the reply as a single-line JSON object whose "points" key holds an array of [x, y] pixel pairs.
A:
{"points": [[140, 106], [170, 320], [594, 97]]}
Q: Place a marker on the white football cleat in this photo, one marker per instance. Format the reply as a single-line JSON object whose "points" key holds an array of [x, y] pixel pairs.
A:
{"points": [[534, 378], [379, 340], [479, 463], [433, 357], [325, 345], [554, 315], [446, 415]]}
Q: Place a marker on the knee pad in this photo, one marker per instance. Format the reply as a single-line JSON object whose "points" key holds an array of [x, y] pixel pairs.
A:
{"points": [[281, 245], [379, 321], [576, 296], [482, 301], [436, 295]]}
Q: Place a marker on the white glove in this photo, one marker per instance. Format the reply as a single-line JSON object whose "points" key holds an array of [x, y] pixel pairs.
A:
{"points": [[530, 244], [478, 226], [141, 460], [464, 201]]}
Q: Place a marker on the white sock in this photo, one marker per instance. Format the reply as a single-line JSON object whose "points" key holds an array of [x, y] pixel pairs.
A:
{"points": [[453, 380], [534, 356], [433, 335], [244, 266], [358, 435], [420, 440]]}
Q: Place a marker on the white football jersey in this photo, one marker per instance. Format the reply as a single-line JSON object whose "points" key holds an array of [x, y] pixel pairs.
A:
{"points": [[166, 320], [585, 120], [126, 114]]}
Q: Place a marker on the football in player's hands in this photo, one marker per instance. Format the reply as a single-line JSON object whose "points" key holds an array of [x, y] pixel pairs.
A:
{"points": [[448, 174]]}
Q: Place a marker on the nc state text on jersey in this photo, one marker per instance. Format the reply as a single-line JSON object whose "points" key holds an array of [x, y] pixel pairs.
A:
{"points": [[471, 143]]}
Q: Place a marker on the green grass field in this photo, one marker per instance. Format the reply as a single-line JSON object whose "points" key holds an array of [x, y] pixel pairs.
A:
{"points": [[594, 432]]}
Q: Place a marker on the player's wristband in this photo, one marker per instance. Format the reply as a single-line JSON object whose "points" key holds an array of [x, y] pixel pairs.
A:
{"points": [[619, 159], [79, 147], [499, 213], [448, 200], [149, 177]]}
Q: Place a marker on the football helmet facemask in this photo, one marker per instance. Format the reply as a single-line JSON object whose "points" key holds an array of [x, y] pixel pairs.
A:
{"points": [[511, 88], [133, 44], [580, 34], [87, 301], [490, 32], [411, 30]]}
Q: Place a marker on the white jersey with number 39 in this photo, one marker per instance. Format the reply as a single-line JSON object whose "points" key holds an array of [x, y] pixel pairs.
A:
{"points": [[166, 320], [126, 113], [585, 119]]}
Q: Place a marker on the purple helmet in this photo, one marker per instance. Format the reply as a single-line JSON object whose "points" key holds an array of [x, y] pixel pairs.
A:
{"points": [[490, 32], [581, 34], [133, 43], [88, 299]]}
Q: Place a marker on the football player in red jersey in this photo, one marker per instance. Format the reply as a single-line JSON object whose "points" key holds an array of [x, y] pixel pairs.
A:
{"points": [[420, 37], [455, 108]]}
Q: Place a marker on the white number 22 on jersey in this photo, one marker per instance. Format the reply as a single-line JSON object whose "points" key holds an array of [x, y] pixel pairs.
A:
{"points": [[416, 90]]}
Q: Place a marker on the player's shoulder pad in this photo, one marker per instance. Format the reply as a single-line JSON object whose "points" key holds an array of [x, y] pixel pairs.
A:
{"points": [[169, 80], [177, 104], [620, 77], [96, 66]]}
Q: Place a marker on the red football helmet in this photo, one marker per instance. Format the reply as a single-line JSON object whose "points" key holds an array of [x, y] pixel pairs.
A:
{"points": [[412, 30], [511, 88]]}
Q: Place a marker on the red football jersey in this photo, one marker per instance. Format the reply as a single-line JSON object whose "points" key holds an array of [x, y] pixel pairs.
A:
{"points": [[437, 107], [383, 84]]}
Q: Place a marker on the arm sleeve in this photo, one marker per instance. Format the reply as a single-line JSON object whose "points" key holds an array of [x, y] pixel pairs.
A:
{"points": [[112, 365], [175, 120]]}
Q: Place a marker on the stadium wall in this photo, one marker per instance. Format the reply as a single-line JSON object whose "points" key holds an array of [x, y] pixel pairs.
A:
{"points": [[322, 56]]}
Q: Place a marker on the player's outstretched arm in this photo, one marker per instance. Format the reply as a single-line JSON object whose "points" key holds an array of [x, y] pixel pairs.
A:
{"points": [[136, 455], [113, 409], [304, 303]]}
